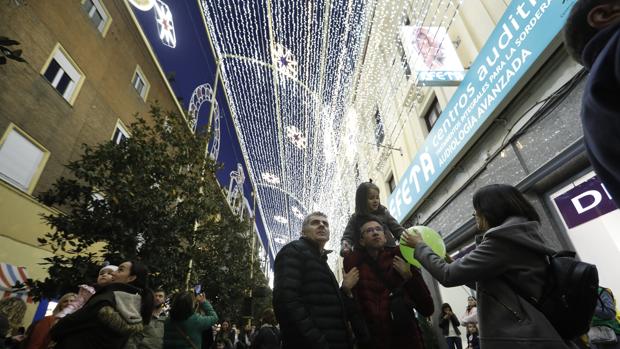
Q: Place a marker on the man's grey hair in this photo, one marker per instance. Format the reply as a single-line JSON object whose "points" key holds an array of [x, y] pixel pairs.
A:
{"points": [[308, 217]]}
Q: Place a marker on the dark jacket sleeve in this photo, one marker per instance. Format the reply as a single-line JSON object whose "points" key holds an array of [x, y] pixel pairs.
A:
{"points": [[455, 321], [349, 231], [72, 323], [259, 339], [419, 293], [392, 224], [287, 296], [443, 322]]}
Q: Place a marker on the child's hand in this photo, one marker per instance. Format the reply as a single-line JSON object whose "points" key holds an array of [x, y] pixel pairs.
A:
{"points": [[411, 239], [345, 248]]}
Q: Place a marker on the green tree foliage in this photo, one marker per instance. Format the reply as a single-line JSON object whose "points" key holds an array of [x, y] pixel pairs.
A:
{"points": [[10, 53], [225, 271], [152, 198]]}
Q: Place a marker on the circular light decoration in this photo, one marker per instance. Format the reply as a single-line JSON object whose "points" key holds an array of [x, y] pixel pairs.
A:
{"points": [[296, 137], [270, 178], [297, 212], [284, 60], [143, 5], [280, 219], [202, 93]]}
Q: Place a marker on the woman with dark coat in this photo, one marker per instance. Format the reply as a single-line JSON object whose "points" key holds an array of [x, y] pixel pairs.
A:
{"points": [[116, 312], [512, 252], [449, 325]]}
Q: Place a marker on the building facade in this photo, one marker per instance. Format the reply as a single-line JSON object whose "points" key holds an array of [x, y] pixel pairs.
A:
{"points": [[532, 139], [88, 72]]}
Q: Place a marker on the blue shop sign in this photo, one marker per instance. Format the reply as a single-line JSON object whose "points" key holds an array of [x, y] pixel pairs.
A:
{"points": [[440, 78], [523, 33]]}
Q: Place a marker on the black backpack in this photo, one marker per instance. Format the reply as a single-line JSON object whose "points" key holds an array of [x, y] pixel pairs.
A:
{"points": [[569, 296]]}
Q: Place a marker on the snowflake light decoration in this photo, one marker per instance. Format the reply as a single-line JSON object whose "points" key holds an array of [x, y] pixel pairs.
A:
{"points": [[165, 26], [284, 60], [270, 178], [280, 219], [297, 212], [297, 137]]}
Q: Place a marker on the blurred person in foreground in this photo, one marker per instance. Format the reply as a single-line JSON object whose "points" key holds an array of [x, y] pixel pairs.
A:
{"points": [[592, 38]]}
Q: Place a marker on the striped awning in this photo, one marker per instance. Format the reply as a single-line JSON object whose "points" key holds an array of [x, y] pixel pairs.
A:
{"points": [[13, 282]]}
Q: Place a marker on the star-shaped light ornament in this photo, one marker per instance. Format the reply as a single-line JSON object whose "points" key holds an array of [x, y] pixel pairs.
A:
{"points": [[297, 137], [270, 178], [280, 219], [297, 213], [165, 25], [284, 60]]}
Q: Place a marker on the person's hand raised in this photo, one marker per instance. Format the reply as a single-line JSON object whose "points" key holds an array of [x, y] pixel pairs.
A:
{"points": [[201, 298], [349, 280], [411, 239]]}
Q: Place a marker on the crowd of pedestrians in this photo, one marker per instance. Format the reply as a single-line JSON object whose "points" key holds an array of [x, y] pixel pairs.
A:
{"points": [[120, 311]]}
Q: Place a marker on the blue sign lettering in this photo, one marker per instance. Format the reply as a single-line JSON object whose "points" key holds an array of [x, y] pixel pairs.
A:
{"points": [[523, 33]]}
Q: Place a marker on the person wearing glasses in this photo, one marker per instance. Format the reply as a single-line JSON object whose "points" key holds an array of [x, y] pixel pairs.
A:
{"points": [[384, 275]]}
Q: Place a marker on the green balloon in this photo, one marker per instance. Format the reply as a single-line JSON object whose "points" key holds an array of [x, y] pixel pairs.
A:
{"points": [[430, 237]]}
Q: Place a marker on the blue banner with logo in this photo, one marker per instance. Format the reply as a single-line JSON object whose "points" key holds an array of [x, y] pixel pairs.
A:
{"points": [[522, 34]]}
